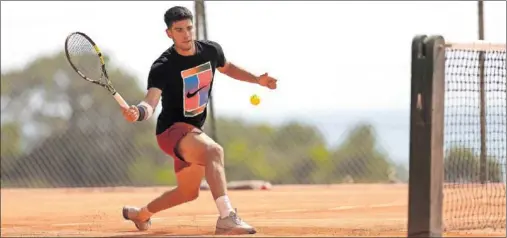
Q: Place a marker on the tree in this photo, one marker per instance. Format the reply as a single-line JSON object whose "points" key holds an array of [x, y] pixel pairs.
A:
{"points": [[401, 173], [297, 153], [260, 151], [11, 146], [462, 165], [359, 157]]}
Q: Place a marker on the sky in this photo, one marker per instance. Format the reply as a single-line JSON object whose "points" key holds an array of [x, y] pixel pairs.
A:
{"points": [[328, 56]]}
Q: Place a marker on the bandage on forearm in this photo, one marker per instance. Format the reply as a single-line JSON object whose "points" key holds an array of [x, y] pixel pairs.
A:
{"points": [[145, 111]]}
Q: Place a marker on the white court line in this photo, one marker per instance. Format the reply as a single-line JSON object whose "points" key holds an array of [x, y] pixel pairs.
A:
{"points": [[323, 220], [366, 206], [180, 218], [73, 224], [393, 204], [346, 208], [290, 210]]}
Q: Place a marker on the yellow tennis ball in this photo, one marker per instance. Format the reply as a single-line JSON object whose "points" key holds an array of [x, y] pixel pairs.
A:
{"points": [[255, 100]]}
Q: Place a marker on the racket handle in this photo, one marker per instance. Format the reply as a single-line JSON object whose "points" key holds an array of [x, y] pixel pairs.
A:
{"points": [[120, 100]]}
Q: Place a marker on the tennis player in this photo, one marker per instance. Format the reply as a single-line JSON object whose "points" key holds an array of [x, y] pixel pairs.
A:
{"points": [[182, 77]]}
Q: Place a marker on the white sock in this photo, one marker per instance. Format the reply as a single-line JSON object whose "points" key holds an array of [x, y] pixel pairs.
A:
{"points": [[224, 206]]}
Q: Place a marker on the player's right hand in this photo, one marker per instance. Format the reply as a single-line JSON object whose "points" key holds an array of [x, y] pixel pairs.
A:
{"points": [[131, 114]]}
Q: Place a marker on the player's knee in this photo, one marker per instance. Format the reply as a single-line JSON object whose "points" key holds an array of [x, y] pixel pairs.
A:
{"points": [[215, 154], [189, 194]]}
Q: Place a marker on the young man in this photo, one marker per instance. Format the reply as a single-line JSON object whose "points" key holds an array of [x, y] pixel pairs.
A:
{"points": [[183, 78]]}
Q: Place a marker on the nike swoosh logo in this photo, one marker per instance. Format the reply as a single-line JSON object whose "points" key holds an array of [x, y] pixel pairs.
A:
{"points": [[189, 95]]}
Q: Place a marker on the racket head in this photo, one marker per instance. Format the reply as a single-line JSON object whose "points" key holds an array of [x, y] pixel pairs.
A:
{"points": [[86, 59]]}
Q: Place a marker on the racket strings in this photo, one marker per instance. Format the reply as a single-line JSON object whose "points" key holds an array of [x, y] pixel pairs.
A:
{"points": [[84, 57]]}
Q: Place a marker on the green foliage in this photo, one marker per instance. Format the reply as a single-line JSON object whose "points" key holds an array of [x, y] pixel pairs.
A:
{"points": [[10, 148], [239, 153], [297, 153], [11, 140], [145, 172], [494, 170], [401, 172], [462, 164], [359, 158]]}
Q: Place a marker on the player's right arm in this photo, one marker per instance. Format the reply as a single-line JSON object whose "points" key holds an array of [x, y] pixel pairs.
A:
{"points": [[144, 110], [153, 97]]}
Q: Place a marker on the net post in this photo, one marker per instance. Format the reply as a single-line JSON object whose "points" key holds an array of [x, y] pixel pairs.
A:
{"points": [[482, 157], [426, 137]]}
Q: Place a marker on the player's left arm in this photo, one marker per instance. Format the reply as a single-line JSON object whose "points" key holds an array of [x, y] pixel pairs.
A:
{"points": [[234, 71]]}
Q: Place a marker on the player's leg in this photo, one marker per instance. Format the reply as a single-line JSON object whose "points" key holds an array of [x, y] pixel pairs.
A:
{"points": [[188, 178], [201, 149], [197, 149]]}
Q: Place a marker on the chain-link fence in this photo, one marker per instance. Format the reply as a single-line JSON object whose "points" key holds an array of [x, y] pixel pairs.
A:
{"points": [[61, 131]]}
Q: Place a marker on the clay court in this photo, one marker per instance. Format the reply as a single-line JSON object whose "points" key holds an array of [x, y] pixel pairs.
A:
{"points": [[337, 210]]}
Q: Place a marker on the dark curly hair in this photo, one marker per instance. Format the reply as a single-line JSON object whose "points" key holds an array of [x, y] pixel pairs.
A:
{"points": [[175, 14]]}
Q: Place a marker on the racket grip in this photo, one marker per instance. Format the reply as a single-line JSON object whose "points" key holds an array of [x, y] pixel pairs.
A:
{"points": [[120, 100]]}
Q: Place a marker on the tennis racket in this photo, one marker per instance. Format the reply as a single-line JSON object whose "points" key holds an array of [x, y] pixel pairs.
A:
{"points": [[87, 60]]}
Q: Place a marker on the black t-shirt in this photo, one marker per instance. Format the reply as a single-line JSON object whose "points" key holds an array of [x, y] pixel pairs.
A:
{"points": [[186, 83]]}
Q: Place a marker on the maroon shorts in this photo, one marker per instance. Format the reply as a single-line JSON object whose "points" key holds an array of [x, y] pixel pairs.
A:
{"points": [[169, 139]]}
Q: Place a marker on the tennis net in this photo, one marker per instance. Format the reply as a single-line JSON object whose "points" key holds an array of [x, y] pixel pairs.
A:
{"points": [[475, 136]]}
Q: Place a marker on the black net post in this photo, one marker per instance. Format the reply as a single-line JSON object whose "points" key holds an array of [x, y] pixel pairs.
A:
{"points": [[426, 137]]}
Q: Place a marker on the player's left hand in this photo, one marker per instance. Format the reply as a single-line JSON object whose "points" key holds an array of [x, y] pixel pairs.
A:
{"points": [[267, 81]]}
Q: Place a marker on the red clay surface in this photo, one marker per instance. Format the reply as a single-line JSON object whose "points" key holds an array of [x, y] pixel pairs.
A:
{"points": [[338, 210]]}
